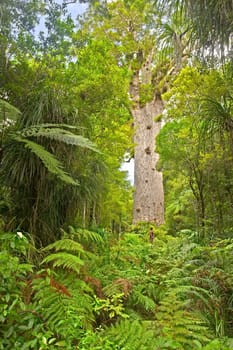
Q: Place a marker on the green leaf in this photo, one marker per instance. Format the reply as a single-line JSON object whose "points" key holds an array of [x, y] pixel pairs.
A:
{"points": [[65, 244], [65, 260], [50, 162], [58, 134], [8, 111]]}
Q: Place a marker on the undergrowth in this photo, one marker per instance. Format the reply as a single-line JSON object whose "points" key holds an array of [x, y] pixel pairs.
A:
{"points": [[91, 291]]}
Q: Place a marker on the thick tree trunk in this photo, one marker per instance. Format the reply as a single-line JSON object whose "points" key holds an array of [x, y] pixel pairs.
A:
{"points": [[148, 182]]}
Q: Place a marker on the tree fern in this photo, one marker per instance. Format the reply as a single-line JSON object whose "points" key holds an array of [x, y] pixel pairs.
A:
{"points": [[50, 162], [37, 152], [58, 134], [7, 111], [35, 127]]}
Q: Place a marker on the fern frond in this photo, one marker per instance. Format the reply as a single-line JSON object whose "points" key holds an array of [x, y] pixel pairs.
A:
{"points": [[131, 335], [175, 322], [48, 125], [191, 293], [66, 316], [8, 111], [65, 244], [65, 260], [119, 285], [69, 245], [60, 135], [50, 162], [84, 235], [138, 298]]}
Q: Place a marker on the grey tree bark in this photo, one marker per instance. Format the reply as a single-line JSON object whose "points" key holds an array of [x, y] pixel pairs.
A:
{"points": [[148, 182]]}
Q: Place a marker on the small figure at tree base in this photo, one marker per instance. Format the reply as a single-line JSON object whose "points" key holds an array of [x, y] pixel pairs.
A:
{"points": [[151, 235]]}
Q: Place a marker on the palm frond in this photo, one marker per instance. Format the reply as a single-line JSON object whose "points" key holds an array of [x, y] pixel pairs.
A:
{"points": [[212, 20], [219, 110], [50, 162]]}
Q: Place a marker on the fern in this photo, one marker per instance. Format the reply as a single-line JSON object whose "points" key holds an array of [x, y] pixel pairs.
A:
{"points": [[7, 111], [58, 134], [65, 244], [120, 285], [175, 322], [219, 344], [138, 298], [65, 260], [66, 315], [130, 335], [83, 235], [69, 255], [49, 125], [50, 162]]}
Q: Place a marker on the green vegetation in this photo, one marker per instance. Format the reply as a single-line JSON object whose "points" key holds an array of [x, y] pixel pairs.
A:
{"points": [[91, 291], [75, 273]]}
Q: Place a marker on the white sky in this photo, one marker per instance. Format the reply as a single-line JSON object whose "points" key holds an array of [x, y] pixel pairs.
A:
{"points": [[129, 167], [75, 9]]}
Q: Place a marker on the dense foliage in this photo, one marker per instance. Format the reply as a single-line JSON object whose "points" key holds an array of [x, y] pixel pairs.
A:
{"points": [[199, 167], [75, 273], [89, 290]]}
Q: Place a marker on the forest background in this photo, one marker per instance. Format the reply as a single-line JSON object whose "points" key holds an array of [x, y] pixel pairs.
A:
{"points": [[75, 273]]}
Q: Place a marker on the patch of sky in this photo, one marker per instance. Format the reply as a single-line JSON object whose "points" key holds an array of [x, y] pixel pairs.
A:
{"points": [[73, 8], [128, 166]]}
